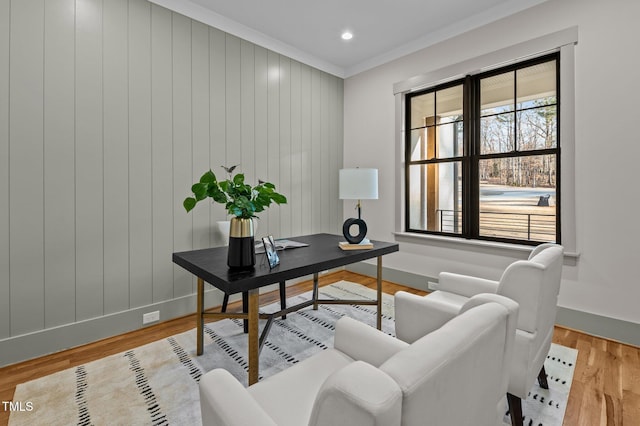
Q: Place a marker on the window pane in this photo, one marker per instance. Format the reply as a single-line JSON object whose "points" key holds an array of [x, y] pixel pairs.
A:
{"points": [[518, 198], [497, 133], [435, 197], [536, 85], [422, 106], [496, 94], [537, 128], [423, 144], [449, 138], [449, 104]]}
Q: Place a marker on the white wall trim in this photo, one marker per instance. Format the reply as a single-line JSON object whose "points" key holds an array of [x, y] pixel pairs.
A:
{"points": [[42, 342], [563, 41], [516, 53], [206, 16], [568, 148], [509, 248]]}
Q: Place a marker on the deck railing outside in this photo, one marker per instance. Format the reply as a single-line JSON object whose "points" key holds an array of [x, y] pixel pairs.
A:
{"points": [[523, 226]]}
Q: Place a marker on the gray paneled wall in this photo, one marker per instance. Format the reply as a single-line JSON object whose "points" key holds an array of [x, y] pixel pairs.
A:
{"points": [[109, 111]]}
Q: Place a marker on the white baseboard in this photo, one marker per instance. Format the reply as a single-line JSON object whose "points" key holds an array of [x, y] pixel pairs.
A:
{"points": [[55, 339], [32, 345]]}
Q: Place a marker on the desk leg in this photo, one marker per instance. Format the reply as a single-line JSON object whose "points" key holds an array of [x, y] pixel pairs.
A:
{"points": [[314, 295], [283, 297], [379, 291], [254, 345], [199, 318], [245, 308]]}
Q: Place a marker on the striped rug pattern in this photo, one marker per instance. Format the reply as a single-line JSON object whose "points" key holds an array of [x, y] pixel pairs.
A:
{"points": [[156, 384]]}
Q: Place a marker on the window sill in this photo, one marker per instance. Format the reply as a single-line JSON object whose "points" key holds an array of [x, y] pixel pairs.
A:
{"points": [[461, 243]]}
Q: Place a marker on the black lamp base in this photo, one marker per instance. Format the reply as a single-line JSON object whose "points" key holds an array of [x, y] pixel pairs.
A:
{"points": [[346, 230]]}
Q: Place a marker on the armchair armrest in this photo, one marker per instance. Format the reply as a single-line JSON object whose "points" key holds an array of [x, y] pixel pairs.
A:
{"points": [[365, 343], [224, 401], [358, 394], [465, 285], [417, 316]]}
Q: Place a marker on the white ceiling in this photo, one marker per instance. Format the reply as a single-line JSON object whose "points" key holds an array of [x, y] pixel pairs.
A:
{"points": [[309, 31]]}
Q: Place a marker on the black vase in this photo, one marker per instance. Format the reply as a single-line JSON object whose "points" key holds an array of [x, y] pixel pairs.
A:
{"points": [[242, 252]]}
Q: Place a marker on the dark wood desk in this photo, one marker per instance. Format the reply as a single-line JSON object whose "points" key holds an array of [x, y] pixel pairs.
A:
{"points": [[322, 253]]}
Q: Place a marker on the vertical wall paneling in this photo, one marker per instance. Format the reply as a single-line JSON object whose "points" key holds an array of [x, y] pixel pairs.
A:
{"points": [[203, 233], [109, 111], [116, 156], [295, 191], [261, 106], [59, 154], [200, 126], [273, 137], [316, 152], [232, 103], [285, 146], [233, 120], [182, 146], [5, 293], [247, 118], [26, 236], [140, 240], [336, 145], [325, 162], [217, 121], [162, 153], [306, 153], [335, 154], [89, 160]]}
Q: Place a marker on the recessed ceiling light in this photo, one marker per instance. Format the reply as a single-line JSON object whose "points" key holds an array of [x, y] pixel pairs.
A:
{"points": [[347, 35]]}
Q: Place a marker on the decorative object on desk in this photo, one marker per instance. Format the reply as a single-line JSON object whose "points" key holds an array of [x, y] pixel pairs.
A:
{"points": [[281, 244], [242, 202], [224, 227], [357, 184], [344, 245], [270, 251], [241, 253]]}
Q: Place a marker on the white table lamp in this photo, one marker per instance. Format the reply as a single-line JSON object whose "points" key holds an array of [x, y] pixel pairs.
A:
{"points": [[357, 184]]}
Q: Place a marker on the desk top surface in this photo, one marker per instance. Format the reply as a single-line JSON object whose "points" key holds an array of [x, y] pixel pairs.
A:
{"points": [[321, 254]]}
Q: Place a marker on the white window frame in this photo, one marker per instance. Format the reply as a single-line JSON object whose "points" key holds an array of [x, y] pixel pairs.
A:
{"points": [[562, 41]]}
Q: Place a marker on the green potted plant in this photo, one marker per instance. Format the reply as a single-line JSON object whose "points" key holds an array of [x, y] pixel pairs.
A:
{"points": [[242, 201]]}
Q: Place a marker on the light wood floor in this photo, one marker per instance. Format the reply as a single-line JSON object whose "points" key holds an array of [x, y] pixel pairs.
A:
{"points": [[605, 390]]}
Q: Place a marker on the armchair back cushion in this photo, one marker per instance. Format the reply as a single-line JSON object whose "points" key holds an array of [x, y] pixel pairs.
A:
{"points": [[455, 375], [535, 285]]}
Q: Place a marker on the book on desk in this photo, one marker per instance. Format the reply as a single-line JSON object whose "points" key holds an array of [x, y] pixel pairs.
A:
{"points": [[344, 245], [282, 244]]}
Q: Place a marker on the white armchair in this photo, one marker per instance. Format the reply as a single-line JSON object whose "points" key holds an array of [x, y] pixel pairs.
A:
{"points": [[451, 376], [534, 284]]}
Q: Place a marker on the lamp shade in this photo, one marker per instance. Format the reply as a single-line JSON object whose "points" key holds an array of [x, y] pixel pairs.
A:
{"points": [[358, 184]]}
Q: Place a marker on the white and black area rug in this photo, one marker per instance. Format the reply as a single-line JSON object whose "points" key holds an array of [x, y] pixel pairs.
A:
{"points": [[156, 384]]}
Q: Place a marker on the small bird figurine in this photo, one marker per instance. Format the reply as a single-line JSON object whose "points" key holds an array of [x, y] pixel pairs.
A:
{"points": [[230, 169]]}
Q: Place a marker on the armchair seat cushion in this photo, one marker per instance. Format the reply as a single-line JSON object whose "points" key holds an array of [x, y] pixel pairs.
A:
{"points": [[285, 398]]}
